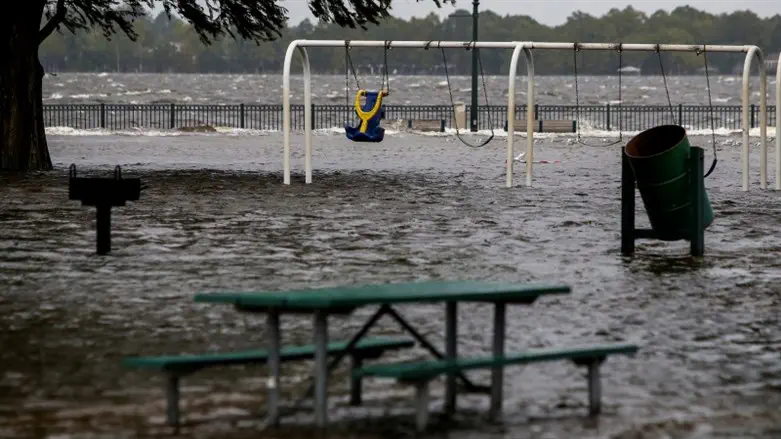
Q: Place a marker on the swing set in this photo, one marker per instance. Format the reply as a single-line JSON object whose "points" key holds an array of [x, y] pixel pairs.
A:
{"points": [[370, 111]]}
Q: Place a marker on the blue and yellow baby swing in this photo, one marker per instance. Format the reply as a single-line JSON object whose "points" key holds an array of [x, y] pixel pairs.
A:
{"points": [[371, 111]]}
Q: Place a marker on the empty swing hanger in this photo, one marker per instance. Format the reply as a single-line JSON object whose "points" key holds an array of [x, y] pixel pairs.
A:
{"points": [[453, 104], [702, 52], [620, 97]]}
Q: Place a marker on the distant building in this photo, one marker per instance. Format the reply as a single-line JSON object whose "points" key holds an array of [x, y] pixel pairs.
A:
{"points": [[712, 70], [771, 64]]}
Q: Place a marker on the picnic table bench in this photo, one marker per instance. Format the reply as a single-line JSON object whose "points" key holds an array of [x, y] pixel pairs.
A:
{"points": [[177, 366], [322, 302]]}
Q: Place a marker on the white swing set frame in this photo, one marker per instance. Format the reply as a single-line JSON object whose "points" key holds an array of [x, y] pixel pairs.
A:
{"points": [[518, 47]]}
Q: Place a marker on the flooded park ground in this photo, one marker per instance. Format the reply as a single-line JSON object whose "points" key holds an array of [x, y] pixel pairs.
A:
{"points": [[215, 216]]}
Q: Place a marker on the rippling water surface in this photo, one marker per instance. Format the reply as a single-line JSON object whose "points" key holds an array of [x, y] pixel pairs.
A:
{"points": [[215, 216], [144, 88]]}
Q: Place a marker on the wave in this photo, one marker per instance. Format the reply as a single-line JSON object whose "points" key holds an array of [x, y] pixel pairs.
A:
{"points": [[152, 132]]}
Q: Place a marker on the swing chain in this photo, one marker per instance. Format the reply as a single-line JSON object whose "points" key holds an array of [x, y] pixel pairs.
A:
{"points": [[666, 88], [346, 74], [349, 67], [619, 49], [386, 78], [710, 107]]}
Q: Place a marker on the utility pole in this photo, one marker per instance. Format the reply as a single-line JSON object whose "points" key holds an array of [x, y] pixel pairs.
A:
{"points": [[473, 113]]}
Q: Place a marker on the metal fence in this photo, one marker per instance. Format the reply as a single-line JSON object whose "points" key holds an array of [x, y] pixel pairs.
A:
{"points": [[269, 117]]}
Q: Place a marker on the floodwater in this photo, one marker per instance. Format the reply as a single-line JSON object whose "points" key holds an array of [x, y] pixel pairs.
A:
{"points": [[215, 216]]}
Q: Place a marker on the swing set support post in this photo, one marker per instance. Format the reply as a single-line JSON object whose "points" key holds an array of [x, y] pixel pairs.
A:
{"points": [[752, 52], [511, 114], [778, 124], [307, 112]]}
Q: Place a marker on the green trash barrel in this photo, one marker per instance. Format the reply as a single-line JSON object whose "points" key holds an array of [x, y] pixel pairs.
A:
{"points": [[660, 162]]}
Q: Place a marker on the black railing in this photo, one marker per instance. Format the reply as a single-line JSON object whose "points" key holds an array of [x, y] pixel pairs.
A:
{"points": [[269, 117]]}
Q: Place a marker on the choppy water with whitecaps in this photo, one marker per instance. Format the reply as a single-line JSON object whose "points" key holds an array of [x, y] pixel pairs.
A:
{"points": [[141, 88], [215, 216]]}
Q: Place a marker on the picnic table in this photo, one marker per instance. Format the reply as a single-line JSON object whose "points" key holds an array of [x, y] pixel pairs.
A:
{"points": [[323, 302]]}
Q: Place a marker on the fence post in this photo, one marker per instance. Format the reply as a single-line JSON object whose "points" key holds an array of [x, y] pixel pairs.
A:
{"points": [[680, 114], [241, 116], [103, 115], [607, 116], [536, 111], [752, 115], [173, 116], [312, 114]]}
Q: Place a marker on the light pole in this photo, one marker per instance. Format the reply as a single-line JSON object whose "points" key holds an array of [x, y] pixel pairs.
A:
{"points": [[473, 113]]}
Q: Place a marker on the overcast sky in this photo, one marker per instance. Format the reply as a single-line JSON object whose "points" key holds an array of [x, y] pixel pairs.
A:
{"points": [[554, 12]]}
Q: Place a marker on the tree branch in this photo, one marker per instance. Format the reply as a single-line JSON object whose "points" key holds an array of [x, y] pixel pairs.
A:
{"points": [[53, 22]]}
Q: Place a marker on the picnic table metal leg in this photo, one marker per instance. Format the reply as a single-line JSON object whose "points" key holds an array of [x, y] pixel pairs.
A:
{"points": [[421, 405], [321, 368], [451, 352], [356, 384], [497, 373], [172, 400], [350, 345], [594, 389], [272, 323]]}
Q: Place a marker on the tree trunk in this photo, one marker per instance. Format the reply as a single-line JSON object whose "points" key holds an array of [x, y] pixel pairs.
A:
{"points": [[22, 136]]}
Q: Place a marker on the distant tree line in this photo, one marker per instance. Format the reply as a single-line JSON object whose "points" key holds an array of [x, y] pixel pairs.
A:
{"points": [[173, 46]]}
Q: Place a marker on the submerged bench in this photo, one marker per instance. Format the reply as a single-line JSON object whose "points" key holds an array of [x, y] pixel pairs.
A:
{"points": [[546, 126], [427, 125], [420, 373], [177, 366]]}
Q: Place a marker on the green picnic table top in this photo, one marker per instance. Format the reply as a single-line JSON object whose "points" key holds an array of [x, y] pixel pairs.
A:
{"points": [[351, 297]]}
